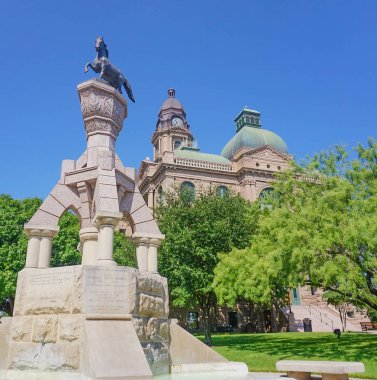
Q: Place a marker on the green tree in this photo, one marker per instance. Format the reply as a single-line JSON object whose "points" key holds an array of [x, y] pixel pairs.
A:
{"points": [[341, 305], [321, 229], [13, 243], [124, 250], [197, 229], [65, 244]]}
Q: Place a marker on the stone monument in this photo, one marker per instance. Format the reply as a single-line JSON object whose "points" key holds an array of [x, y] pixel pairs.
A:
{"points": [[97, 320]]}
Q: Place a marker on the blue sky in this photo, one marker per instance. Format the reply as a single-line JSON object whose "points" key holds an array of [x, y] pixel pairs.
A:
{"points": [[310, 68]]}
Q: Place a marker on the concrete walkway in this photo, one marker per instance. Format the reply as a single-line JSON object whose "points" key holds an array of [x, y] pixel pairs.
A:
{"points": [[269, 375]]}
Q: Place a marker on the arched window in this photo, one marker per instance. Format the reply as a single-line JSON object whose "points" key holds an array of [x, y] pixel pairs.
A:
{"points": [[222, 190], [188, 189], [266, 197], [176, 144], [160, 198]]}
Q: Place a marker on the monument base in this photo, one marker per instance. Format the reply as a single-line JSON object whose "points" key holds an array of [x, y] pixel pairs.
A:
{"points": [[97, 321]]}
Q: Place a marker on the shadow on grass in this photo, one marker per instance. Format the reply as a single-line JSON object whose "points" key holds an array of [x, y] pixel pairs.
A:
{"points": [[350, 347]]}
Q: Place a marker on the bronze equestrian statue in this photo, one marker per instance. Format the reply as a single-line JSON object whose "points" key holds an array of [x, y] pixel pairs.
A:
{"points": [[108, 72]]}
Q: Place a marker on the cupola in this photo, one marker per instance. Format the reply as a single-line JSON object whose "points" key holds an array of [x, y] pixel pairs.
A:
{"points": [[250, 134], [247, 117]]}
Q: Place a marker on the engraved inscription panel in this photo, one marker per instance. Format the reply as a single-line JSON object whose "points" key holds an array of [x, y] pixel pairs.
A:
{"points": [[47, 291], [106, 290]]}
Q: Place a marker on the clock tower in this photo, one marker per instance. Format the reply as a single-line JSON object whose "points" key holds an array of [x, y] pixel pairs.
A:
{"points": [[172, 130]]}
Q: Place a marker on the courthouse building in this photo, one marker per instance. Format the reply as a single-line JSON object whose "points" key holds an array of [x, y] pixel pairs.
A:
{"points": [[246, 165]]}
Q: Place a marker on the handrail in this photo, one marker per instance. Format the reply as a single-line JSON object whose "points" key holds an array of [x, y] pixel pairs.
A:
{"points": [[320, 314], [284, 312]]}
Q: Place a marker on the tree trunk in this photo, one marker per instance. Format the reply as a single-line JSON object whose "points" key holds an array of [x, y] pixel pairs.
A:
{"points": [[274, 318], [342, 309], [207, 311], [260, 325]]}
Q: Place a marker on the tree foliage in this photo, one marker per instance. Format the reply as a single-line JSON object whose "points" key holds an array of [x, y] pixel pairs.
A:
{"points": [[13, 242], [320, 229], [65, 244], [197, 230], [124, 250]]}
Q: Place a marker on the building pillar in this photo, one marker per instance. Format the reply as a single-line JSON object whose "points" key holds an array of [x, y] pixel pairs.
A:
{"points": [[247, 192], [105, 223], [253, 189], [88, 245]]}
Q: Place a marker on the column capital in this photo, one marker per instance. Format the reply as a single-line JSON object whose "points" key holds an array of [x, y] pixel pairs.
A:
{"points": [[107, 218], [138, 235], [155, 242], [141, 240], [88, 233], [41, 230]]}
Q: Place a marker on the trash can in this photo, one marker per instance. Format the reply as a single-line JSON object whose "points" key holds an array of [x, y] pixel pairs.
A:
{"points": [[307, 324]]}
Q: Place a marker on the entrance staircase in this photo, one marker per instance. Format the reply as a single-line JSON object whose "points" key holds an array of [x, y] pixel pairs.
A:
{"points": [[324, 318]]}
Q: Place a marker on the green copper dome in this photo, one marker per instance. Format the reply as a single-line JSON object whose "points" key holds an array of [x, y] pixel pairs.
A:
{"points": [[251, 135]]}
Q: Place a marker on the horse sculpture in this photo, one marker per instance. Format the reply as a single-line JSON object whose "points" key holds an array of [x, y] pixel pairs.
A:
{"points": [[107, 70]]}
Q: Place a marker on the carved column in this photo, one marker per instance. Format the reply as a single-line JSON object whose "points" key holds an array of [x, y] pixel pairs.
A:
{"points": [[32, 255], [39, 245], [152, 255], [141, 244], [106, 223], [146, 250], [88, 245], [45, 248]]}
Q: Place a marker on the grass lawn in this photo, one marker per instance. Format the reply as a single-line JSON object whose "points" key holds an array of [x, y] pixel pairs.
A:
{"points": [[261, 351]]}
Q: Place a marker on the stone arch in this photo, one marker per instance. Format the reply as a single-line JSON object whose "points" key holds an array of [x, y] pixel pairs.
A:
{"points": [[43, 226], [265, 189], [61, 199], [265, 197], [74, 210], [138, 214]]}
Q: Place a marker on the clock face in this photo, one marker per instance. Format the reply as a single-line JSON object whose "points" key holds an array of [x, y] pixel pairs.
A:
{"points": [[177, 122]]}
